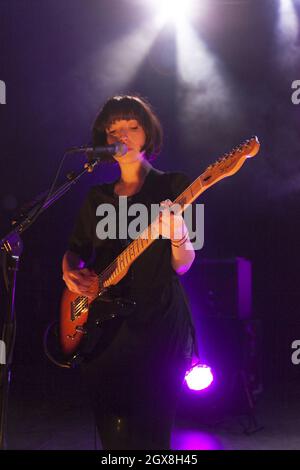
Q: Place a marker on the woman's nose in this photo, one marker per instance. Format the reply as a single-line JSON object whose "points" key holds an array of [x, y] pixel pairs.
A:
{"points": [[123, 134]]}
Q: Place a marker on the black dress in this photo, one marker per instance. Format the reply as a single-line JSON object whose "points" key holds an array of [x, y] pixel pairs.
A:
{"points": [[135, 382]]}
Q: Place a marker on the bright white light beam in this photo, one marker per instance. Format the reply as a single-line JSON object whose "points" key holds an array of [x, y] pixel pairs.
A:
{"points": [[288, 25], [173, 10]]}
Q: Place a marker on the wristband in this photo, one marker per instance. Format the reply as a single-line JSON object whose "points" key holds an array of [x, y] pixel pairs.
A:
{"points": [[180, 242]]}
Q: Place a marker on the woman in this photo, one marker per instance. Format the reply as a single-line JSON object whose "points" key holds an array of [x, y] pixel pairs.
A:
{"points": [[135, 380]]}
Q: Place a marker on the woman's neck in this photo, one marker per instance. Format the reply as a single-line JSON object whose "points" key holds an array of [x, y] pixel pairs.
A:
{"points": [[134, 172]]}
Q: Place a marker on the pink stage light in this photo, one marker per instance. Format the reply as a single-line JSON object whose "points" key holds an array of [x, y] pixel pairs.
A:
{"points": [[199, 377]]}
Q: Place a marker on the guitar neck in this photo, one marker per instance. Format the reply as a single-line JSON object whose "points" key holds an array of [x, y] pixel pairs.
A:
{"points": [[225, 166], [119, 267]]}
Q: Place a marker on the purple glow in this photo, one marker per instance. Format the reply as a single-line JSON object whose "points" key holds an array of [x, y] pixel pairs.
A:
{"points": [[199, 377], [191, 439]]}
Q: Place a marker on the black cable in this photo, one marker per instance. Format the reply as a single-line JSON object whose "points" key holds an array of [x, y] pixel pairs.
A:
{"points": [[64, 365], [9, 347], [4, 270], [50, 192]]}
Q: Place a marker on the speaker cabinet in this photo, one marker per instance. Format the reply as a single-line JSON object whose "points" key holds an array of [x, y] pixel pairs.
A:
{"points": [[220, 287]]}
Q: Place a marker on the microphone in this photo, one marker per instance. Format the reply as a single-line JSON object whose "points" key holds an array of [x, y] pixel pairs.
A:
{"points": [[112, 149]]}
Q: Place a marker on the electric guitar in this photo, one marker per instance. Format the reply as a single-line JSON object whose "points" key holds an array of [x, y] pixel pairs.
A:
{"points": [[76, 319]]}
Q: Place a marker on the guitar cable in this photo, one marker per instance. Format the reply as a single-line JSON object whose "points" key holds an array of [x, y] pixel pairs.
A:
{"points": [[51, 358]]}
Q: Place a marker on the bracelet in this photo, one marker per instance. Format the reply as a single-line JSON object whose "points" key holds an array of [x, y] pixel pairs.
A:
{"points": [[181, 242]]}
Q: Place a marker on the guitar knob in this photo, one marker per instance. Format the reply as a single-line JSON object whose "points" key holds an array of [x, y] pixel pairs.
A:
{"points": [[81, 329]]}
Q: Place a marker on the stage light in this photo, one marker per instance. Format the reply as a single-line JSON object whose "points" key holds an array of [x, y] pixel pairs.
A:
{"points": [[121, 59], [203, 85], [288, 21], [173, 10], [199, 377]]}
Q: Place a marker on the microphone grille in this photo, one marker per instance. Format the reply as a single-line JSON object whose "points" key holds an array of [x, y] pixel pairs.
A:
{"points": [[121, 149]]}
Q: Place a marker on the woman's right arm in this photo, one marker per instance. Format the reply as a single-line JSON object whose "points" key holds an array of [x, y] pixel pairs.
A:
{"points": [[77, 277]]}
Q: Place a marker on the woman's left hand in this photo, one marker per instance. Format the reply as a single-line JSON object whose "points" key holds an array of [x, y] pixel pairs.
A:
{"points": [[171, 225]]}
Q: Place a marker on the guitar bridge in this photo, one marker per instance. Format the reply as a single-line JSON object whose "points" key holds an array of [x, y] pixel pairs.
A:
{"points": [[79, 329]]}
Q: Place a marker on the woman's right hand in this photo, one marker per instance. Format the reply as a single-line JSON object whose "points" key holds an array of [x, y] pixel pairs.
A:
{"points": [[82, 281]]}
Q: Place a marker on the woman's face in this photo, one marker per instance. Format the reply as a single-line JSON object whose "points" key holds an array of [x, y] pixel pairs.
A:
{"points": [[128, 132]]}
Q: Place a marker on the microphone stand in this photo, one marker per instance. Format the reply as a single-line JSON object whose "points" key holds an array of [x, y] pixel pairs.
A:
{"points": [[12, 246]]}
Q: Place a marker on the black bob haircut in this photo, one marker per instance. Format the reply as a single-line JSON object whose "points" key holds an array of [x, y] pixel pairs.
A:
{"points": [[129, 107]]}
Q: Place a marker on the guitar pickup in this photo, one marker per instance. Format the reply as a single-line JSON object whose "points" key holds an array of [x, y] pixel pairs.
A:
{"points": [[78, 307]]}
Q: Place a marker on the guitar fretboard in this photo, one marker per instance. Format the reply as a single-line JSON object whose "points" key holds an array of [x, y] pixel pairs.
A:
{"points": [[124, 260], [225, 166]]}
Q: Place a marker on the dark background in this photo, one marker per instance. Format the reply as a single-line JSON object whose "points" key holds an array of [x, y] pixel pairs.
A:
{"points": [[58, 70]]}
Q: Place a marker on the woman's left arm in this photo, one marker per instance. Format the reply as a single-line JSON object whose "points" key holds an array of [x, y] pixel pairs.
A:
{"points": [[173, 226], [183, 255]]}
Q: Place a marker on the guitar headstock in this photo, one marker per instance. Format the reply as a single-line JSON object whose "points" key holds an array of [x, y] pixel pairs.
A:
{"points": [[231, 162]]}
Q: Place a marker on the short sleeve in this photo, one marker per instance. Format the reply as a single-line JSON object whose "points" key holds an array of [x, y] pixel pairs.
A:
{"points": [[81, 239]]}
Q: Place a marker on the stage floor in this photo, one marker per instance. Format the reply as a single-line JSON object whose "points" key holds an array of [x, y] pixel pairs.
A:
{"points": [[48, 411]]}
